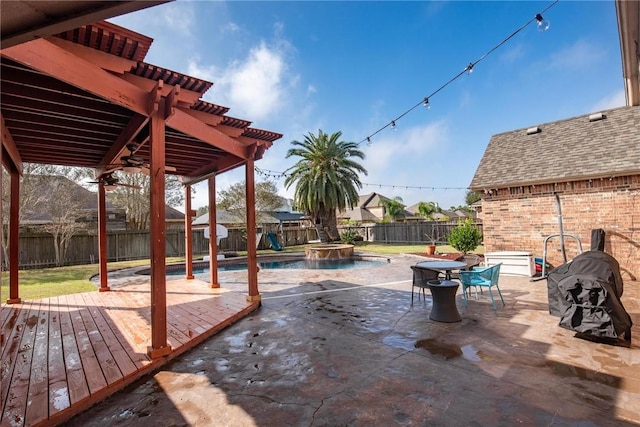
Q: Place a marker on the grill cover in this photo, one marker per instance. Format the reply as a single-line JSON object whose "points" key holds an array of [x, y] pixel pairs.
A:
{"points": [[586, 293]]}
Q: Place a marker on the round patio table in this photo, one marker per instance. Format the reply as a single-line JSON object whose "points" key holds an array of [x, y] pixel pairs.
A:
{"points": [[445, 266], [444, 307]]}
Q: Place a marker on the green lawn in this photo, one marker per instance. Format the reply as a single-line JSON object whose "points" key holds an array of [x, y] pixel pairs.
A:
{"points": [[50, 282]]}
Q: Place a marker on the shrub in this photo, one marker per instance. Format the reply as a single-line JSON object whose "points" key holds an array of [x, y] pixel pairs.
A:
{"points": [[349, 237], [465, 237]]}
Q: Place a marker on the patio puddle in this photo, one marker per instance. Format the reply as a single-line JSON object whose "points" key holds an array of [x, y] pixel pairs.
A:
{"points": [[447, 351], [398, 341]]}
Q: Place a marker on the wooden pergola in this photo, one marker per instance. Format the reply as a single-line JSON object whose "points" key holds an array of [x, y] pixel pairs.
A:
{"points": [[80, 97]]}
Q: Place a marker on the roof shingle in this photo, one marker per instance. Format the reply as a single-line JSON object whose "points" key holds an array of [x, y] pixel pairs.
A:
{"points": [[564, 150]]}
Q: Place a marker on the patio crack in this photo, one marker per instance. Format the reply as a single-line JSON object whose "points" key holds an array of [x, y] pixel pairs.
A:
{"points": [[269, 399]]}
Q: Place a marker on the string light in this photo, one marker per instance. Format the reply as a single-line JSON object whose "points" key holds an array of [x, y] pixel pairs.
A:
{"points": [[469, 68], [426, 104], [543, 25], [278, 175]]}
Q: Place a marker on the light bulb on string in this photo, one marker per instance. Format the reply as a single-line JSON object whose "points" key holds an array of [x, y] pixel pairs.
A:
{"points": [[425, 103], [393, 125], [543, 24], [469, 68], [368, 141]]}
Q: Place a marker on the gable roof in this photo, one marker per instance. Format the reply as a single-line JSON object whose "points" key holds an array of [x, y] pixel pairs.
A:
{"points": [[566, 150], [47, 187]]}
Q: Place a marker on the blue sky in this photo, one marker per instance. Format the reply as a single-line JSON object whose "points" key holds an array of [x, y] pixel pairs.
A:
{"points": [[296, 67]]}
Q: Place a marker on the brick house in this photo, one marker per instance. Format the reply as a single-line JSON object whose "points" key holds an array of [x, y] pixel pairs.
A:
{"points": [[592, 162]]}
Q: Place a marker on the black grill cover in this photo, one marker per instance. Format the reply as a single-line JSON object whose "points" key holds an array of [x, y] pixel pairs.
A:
{"points": [[586, 293], [600, 264], [593, 308]]}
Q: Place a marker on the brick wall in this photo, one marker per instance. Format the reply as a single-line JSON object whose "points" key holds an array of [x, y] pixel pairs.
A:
{"points": [[519, 218]]}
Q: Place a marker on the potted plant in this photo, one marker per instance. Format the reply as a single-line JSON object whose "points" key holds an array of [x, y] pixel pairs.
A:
{"points": [[431, 248]]}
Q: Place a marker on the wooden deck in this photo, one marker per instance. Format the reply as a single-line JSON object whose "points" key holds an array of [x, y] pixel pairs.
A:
{"points": [[64, 354]]}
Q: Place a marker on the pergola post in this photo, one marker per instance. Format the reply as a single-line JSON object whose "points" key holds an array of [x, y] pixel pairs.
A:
{"points": [[14, 225], [1, 251], [252, 247], [213, 243], [188, 234], [159, 346], [102, 237]]}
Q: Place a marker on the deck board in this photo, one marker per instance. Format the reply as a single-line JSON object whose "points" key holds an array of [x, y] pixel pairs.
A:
{"points": [[15, 406], [120, 356], [58, 390], [13, 335], [65, 353], [38, 394], [77, 386], [90, 364]]}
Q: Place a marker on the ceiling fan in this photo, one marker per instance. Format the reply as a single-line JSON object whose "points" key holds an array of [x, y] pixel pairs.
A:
{"points": [[131, 163], [110, 182]]}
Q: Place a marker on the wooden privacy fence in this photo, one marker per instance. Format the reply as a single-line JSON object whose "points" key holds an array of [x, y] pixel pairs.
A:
{"points": [[37, 250], [407, 232]]}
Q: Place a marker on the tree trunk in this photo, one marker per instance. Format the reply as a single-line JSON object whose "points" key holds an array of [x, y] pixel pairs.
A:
{"points": [[330, 224]]}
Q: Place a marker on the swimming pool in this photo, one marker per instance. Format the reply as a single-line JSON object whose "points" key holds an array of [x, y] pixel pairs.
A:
{"points": [[292, 264]]}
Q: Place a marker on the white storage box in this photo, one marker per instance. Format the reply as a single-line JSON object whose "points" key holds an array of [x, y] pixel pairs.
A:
{"points": [[513, 262]]}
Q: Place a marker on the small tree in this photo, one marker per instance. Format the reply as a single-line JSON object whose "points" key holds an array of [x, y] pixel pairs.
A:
{"points": [[471, 197], [394, 209], [465, 237], [427, 209], [233, 200]]}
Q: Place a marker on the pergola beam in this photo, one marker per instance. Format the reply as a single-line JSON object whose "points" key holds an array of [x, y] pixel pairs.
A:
{"points": [[103, 60], [63, 65], [225, 164], [190, 125], [75, 16], [10, 146], [135, 125]]}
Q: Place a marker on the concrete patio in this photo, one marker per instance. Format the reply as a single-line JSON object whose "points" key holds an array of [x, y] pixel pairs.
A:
{"points": [[345, 347]]}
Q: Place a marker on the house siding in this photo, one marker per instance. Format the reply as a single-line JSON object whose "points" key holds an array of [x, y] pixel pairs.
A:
{"points": [[519, 218]]}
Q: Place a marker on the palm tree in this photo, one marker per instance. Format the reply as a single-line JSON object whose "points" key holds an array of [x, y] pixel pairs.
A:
{"points": [[394, 208], [326, 178], [427, 209]]}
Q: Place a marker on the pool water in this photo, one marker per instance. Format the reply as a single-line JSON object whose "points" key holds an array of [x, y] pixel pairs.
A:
{"points": [[299, 264]]}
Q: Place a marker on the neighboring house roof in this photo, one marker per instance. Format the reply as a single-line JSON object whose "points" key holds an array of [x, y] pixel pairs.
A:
{"points": [[227, 218], [173, 214], [47, 187], [566, 150], [222, 217], [362, 213], [287, 216]]}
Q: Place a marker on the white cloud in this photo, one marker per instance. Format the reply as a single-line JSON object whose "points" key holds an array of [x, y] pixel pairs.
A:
{"points": [[203, 72], [255, 85], [616, 99], [413, 142], [230, 27], [179, 18], [577, 56]]}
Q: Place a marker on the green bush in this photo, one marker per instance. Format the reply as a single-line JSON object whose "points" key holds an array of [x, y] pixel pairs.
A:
{"points": [[465, 237], [349, 237]]}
